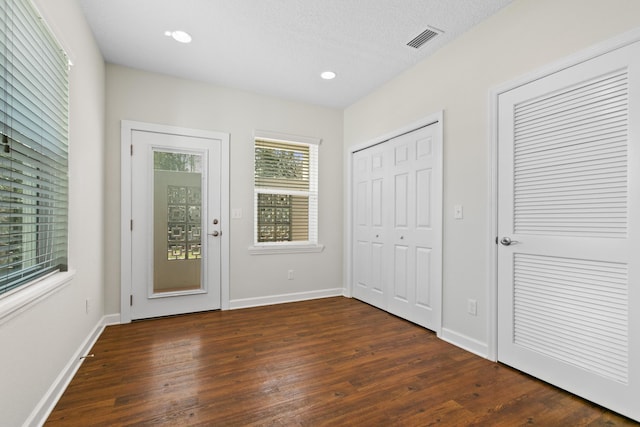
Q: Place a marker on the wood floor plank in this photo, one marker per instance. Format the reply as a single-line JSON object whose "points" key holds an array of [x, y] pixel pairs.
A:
{"points": [[327, 362]]}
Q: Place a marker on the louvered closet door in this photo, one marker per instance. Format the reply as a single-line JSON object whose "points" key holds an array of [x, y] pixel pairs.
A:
{"points": [[569, 199]]}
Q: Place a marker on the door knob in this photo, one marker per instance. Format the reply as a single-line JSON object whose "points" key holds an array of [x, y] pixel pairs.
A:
{"points": [[506, 241], [215, 233]]}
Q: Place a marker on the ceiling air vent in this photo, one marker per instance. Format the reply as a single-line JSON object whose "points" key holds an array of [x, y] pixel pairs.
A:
{"points": [[422, 38]]}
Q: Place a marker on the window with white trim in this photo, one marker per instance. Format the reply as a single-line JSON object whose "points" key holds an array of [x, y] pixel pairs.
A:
{"points": [[33, 151], [285, 191]]}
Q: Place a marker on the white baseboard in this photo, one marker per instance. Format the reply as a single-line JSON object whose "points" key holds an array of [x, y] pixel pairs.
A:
{"points": [[111, 319], [284, 298], [465, 342], [41, 412]]}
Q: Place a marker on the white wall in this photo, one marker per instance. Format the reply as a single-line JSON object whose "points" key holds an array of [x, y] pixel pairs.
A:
{"points": [[36, 345], [522, 37], [154, 98]]}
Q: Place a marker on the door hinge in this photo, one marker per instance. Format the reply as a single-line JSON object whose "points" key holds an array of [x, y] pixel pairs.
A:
{"points": [[496, 240], [131, 227], [131, 149], [131, 300]]}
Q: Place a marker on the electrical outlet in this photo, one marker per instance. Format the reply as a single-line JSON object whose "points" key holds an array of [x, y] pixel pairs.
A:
{"points": [[472, 307], [290, 275], [236, 213]]}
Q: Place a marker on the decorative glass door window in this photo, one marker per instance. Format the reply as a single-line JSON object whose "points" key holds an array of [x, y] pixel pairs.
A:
{"points": [[177, 218], [184, 225]]}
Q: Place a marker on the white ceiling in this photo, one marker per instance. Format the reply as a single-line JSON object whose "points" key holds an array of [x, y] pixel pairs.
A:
{"points": [[280, 47]]}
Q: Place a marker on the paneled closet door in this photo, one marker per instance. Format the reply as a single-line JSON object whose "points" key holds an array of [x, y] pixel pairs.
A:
{"points": [[397, 226], [370, 224], [569, 229], [413, 237]]}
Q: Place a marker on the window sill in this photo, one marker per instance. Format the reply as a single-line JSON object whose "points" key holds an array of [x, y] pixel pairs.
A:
{"points": [[26, 296], [285, 249]]}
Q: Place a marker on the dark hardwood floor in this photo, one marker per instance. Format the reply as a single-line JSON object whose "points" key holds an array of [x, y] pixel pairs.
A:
{"points": [[333, 361]]}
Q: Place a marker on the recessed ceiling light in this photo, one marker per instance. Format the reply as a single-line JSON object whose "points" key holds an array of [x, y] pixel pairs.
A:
{"points": [[179, 36], [328, 75]]}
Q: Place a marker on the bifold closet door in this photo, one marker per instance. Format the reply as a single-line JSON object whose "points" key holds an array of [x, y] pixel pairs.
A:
{"points": [[397, 226], [370, 224]]}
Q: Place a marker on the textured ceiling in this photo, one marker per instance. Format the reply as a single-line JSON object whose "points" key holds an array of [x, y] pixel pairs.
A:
{"points": [[279, 47]]}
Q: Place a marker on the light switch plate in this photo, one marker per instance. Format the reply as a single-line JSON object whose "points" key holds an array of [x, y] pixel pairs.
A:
{"points": [[457, 211]]}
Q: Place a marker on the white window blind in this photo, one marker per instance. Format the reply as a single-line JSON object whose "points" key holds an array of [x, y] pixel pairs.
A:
{"points": [[286, 191], [33, 153]]}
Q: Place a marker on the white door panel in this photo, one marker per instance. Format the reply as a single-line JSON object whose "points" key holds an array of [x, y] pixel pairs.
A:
{"points": [[423, 275], [401, 274], [377, 268], [568, 198]]}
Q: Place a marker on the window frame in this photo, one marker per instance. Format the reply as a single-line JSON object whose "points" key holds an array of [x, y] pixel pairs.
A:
{"points": [[19, 298], [306, 246]]}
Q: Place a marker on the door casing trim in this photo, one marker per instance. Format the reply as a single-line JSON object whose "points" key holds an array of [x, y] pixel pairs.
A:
{"points": [[126, 129], [585, 55]]}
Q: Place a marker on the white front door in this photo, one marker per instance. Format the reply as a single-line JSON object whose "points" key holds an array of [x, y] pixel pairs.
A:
{"points": [[176, 223], [569, 229], [397, 225]]}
